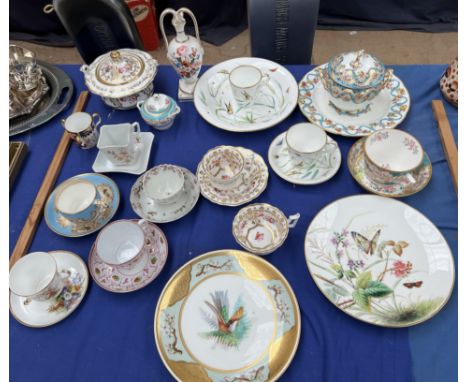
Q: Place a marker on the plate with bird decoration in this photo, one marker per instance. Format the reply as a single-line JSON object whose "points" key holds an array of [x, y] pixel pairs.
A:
{"points": [[380, 260], [223, 317], [273, 102]]}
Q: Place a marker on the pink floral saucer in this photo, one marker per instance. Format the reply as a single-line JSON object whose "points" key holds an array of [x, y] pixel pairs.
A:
{"points": [[141, 274]]}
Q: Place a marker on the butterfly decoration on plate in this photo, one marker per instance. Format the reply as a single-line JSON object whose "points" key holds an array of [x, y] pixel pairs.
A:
{"points": [[416, 284], [367, 246]]}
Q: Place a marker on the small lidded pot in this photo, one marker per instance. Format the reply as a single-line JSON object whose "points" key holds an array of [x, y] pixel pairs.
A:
{"points": [[159, 111], [353, 79], [121, 77]]}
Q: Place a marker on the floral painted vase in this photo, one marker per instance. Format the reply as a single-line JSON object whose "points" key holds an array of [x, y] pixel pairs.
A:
{"points": [[185, 53]]}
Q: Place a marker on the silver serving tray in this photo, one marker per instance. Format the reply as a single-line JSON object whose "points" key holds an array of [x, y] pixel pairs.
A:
{"points": [[57, 99]]}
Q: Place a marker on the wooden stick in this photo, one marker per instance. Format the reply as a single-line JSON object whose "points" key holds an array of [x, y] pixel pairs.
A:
{"points": [[34, 217], [446, 136]]}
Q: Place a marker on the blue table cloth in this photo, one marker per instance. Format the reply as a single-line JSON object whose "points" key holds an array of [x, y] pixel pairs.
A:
{"points": [[110, 336]]}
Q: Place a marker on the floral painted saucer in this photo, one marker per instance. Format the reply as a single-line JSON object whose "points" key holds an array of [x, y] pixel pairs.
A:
{"points": [[109, 202], [380, 260], [39, 314], [254, 181], [403, 185], [261, 228], [305, 173], [102, 164], [165, 213], [387, 110], [121, 280], [227, 316], [275, 100]]}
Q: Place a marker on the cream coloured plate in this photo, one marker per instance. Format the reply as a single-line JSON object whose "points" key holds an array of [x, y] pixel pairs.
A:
{"points": [[224, 316], [380, 260], [276, 97]]}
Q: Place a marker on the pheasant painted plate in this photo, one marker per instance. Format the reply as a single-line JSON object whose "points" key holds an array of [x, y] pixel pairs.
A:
{"points": [[227, 316], [276, 97], [388, 108], [380, 260]]}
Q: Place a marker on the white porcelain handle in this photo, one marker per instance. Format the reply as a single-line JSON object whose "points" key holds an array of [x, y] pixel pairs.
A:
{"points": [[143, 223], [175, 112], [293, 219], [140, 103]]}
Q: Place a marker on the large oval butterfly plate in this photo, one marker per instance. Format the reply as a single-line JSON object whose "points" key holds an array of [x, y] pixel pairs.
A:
{"points": [[380, 260]]}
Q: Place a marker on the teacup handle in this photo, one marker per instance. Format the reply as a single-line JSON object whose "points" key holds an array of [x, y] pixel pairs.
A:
{"points": [[136, 129], [143, 223], [96, 115], [332, 143], [293, 219]]}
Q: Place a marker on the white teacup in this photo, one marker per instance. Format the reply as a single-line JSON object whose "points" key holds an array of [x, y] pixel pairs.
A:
{"points": [[307, 142], [77, 199], [36, 277], [244, 81], [163, 184], [83, 128], [121, 243], [120, 143]]}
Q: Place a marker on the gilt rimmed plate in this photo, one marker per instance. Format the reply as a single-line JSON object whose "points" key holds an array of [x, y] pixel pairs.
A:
{"points": [[388, 109], [403, 185], [380, 260], [227, 316], [165, 213], [141, 274], [299, 172], [254, 181], [39, 314], [110, 199], [276, 97]]}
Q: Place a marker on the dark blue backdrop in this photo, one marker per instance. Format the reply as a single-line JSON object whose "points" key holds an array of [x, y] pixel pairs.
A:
{"points": [[110, 336]]}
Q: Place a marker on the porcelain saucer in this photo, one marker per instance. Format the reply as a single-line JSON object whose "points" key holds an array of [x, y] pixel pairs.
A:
{"points": [[39, 314], [110, 198], [388, 109], [254, 182], [102, 164], [165, 213], [144, 271], [274, 101], [305, 173], [404, 185]]}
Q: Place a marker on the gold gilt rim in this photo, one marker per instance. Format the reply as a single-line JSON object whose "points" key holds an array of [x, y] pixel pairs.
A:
{"points": [[435, 312], [256, 269], [351, 166], [136, 76]]}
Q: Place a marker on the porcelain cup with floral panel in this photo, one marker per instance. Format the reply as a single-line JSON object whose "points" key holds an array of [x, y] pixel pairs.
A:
{"points": [[35, 277], [120, 143], [307, 142], [261, 228], [163, 184], [82, 128], [389, 154], [245, 81], [224, 166], [78, 200], [121, 243]]}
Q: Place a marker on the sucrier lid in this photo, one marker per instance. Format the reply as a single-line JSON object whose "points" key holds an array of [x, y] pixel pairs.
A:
{"points": [[120, 73], [159, 106], [356, 70]]}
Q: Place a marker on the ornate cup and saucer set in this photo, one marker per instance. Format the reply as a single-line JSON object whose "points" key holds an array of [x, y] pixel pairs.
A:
{"points": [[390, 163], [353, 95], [46, 287], [305, 155], [82, 205], [164, 193], [127, 255], [231, 176]]}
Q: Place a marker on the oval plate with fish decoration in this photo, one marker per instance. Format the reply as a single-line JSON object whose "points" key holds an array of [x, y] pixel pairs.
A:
{"points": [[224, 316]]}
